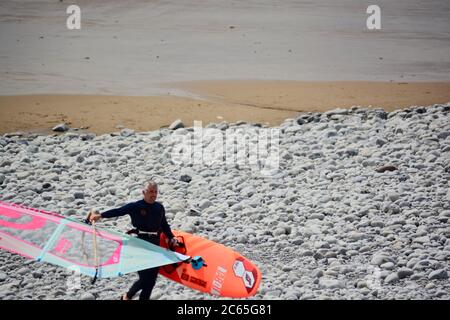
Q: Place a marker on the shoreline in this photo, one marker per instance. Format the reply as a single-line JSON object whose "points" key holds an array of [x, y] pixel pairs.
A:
{"points": [[267, 102], [319, 96]]}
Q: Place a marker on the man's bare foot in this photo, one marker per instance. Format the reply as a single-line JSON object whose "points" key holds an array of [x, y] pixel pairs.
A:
{"points": [[124, 297]]}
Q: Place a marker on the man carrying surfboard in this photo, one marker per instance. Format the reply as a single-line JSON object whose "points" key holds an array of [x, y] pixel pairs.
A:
{"points": [[149, 218]]}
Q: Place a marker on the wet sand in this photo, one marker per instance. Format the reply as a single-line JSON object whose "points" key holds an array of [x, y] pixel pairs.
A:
{"points": [[266, 102], [303, 96], [128, 47]]}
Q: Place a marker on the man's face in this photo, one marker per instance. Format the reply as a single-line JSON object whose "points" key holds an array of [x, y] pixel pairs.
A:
{"points": [[150, 194]]}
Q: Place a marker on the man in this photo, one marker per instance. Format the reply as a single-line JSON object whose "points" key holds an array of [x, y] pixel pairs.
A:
{"points": [[149, 218]]}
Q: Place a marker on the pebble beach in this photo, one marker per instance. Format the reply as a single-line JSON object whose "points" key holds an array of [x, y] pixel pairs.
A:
{"points": [[358, 207]]}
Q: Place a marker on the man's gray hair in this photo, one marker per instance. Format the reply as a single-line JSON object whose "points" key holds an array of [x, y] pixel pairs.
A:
{"points": [[150, 183]]}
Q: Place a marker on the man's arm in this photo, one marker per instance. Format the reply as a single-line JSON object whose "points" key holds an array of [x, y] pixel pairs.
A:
{"points": [[165, 226], [118, 212], [126, 209]]}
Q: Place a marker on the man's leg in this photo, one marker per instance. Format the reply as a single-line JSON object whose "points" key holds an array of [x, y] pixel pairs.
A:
{"points": [[148, 281], [136, 286]]}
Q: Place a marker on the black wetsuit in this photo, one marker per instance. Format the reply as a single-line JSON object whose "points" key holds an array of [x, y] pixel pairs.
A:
{"points": [[150, 218]]}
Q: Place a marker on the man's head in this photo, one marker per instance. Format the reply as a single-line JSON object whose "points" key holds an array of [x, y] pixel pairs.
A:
{"points": [[150, 191]]}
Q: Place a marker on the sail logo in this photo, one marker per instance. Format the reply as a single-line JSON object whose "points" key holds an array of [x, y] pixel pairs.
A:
{"points": [[63, 245]]}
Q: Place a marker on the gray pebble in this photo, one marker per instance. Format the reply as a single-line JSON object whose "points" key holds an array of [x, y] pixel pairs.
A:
{"points": [[62, 127], [23, 271], [87, 296], [330, 283], [23, 175], [430, 286], [379, 259], [404, 273], [412, 262], [273, 294], [393, 277], [186, 178], [424, 239], [317, 273], [387, 266], [177, 124], [438, 274], [78, 195], [127, 133], [204, 204]]}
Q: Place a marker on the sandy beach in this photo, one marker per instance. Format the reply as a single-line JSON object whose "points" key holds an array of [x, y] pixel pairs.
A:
{"points": [[265, 102], [144, 64]]}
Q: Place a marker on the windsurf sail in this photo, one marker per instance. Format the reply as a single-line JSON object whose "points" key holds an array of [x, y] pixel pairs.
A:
{"points": [[55, 239]]}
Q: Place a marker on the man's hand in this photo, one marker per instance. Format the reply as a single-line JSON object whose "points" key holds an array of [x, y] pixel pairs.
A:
{"points": [[174, 242], [94, 216]]}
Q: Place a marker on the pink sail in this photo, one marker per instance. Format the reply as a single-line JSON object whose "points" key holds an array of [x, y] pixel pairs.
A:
{"points": [[55, 239]]}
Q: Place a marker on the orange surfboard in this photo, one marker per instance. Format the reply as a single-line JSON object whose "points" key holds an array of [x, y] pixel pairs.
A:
{"points": [[220, 271]]}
